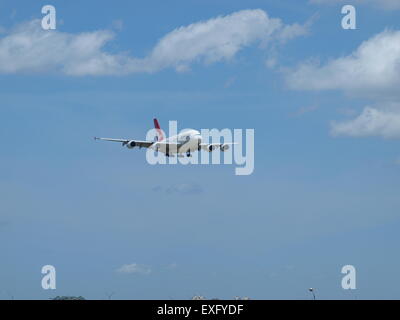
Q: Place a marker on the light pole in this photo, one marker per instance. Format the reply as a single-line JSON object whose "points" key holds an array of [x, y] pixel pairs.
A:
{"points": [[312, 291]]}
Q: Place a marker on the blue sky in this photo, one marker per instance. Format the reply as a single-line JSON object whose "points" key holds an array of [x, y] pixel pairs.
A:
{"points": [[325, 109]]}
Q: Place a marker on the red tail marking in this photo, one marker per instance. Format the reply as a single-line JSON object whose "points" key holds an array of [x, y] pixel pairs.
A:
{"points": [[159, 131]]}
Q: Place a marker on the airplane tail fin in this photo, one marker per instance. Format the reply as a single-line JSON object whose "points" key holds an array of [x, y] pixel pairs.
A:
{"points": [[160, 134]]}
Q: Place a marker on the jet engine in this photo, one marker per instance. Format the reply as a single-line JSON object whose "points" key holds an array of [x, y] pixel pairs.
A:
{"points": [[131, 144], [224, 147]]}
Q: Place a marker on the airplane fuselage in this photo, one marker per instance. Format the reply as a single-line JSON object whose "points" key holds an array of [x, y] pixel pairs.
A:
{"points": [[186, 142]]}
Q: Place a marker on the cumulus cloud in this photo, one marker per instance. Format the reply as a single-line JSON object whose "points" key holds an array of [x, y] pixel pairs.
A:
{"points": [[28, 48], [134, 268], [373, 68], [371, 122], [371, 71], [384, 4]]}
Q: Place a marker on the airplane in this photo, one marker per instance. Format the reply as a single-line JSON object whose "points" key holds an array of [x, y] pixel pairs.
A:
{"points": [[185, 142]]}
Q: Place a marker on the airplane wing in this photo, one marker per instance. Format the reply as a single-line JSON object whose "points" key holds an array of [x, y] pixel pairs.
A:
{"points": [[138, 143]]}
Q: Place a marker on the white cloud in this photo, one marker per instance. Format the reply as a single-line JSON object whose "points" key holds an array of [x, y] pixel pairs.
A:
{"points": [[134, 268], [384, 4], [373, 68], [289, 32], [28, 48], [371, 122], [371, 71]]}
